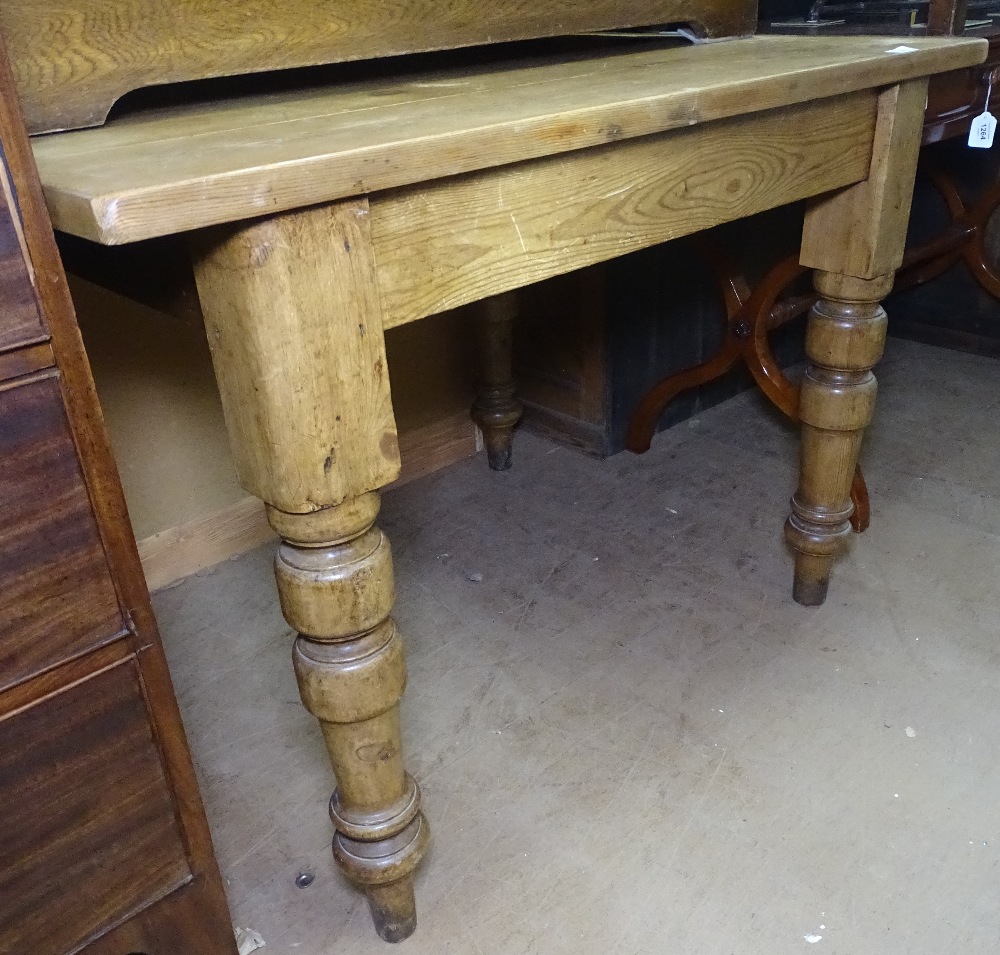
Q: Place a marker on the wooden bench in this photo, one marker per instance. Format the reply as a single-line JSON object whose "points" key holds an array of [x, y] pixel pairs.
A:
{"points": [[319, 218]]}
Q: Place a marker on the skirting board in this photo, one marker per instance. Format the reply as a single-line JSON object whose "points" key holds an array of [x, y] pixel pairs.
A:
{"points": [[178, 552]]}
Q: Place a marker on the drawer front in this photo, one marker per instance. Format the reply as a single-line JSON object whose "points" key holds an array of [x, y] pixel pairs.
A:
{"points": [[20, 317], [87, 827], [57, 599]]}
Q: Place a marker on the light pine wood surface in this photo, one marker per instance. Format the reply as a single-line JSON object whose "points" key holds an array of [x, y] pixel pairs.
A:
{"points": [[862, 230], [73, 58], [293, 322], [188, 167], [452, 242]]}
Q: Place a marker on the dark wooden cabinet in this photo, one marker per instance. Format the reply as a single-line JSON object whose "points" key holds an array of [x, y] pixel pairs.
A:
{"points": [[104, 846], [90, 825], [58, 597]]}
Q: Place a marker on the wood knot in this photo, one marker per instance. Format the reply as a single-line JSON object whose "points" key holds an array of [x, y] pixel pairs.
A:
{"points": [[389, 446], [259, 254], [376, 752]]}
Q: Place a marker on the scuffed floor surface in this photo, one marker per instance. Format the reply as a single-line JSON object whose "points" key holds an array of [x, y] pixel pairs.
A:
{"points": [[629, 738]]}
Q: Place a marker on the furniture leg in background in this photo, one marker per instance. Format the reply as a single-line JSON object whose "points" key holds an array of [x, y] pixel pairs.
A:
{"points": [[966, 237], [750, 317], [946, 17], [496, 410], [854, 239], [295, 327]]}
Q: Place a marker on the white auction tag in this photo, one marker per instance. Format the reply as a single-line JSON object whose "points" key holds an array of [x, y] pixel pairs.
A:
{"points": [[984, 128]]}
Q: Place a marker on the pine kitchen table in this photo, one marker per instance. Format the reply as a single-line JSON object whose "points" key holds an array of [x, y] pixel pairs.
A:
{"points": [[317, 218]]}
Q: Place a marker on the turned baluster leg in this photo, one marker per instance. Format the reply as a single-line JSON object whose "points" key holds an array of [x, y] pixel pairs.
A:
{"points": [[293, 319], [844, 341], [854, 238], [496, 410], [334, 572]]}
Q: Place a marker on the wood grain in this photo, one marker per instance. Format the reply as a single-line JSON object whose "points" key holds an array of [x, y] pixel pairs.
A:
{"points": [[862, 231], [293, 321], [459, 241], [336, 586], [178, 552], [87, 827], [73, 59], [57, 600], [190, 167], [25, 361], [22, 320], [295, 328], [155, 933]]}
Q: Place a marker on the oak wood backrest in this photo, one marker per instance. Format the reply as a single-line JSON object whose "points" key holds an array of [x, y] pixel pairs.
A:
{"points": [[73, 58]]}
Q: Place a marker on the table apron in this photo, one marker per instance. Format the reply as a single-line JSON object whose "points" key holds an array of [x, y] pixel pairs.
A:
{"points": [[444, 244]]}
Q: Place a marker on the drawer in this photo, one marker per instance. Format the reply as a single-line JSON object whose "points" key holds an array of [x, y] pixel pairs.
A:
{"points": [[20, 317], [88, 833], [57, 599]]}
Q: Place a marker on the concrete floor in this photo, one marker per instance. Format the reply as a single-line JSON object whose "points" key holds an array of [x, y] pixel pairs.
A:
{"points": [[629, 738]]}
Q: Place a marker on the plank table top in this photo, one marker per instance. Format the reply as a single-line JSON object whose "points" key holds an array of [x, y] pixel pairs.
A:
{"points": [[180, 168]]}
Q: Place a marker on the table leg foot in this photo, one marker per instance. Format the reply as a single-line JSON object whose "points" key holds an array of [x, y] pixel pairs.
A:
{"points": [[335, 582], [496, 410], [384, 871], [499, 448], [812, 579], [394, 909]]}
